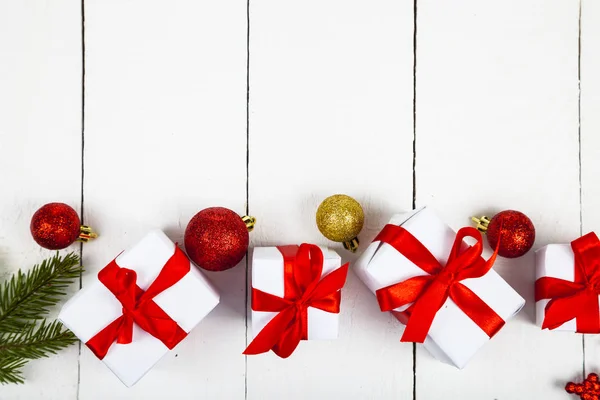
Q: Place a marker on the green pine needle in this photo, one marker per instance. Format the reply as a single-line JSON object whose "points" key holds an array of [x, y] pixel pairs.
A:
{"points": [[24, 301], [28, 296], [10, 370], [36, 341]]}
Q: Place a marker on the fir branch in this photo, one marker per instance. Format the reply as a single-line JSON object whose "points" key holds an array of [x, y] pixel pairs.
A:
{"points": [[36, 341], [24, 300], [10, 369], [26, 297]]}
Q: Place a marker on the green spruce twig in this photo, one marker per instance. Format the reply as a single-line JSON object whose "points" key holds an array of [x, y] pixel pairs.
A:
{"points": [[36, 341], [28, 296], [10, 369], [24, 300]]}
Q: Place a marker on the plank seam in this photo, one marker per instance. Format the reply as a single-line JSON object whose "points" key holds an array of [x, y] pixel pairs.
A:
{"points": [[579, 122], [82, 174], [247, 183], [414, 163], [579, 144]]}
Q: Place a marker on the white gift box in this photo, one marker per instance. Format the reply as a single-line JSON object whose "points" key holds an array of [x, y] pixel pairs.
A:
{"points": [[556, 261], [268, 276], [453, 337], [94, 307]]}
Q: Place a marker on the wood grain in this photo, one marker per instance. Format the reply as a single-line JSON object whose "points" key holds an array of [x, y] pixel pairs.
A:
{"points": [[165, 136], [331, 112], [497, 122], [40, 152]]}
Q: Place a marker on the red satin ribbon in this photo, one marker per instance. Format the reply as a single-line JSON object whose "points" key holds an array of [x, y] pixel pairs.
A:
{"points": [[428, 293], [578, 299], [303, 267], [138, 305]]}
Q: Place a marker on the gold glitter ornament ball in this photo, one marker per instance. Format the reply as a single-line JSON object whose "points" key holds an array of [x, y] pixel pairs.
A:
{"points": [[340, 218]]}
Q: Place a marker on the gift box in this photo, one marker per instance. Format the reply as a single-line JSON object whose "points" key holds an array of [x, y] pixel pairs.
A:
{"points": [[295, 296], [142, 305], [568, 285], [452, 301]]}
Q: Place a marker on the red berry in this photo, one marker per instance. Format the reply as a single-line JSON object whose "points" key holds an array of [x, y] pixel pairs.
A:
{"points": [[570, 388]]}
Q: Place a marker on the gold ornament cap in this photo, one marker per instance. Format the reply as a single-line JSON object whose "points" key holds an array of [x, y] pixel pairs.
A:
{"points": [[249, 221], [481, 223], [340, 218], [352, 245], [86, 234]]}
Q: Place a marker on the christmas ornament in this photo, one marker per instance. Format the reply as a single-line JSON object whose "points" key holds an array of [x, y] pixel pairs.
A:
{"points": [[340, 218], [217, 239], [57, 225], [24, 300], [588, 390], [514, 230]]}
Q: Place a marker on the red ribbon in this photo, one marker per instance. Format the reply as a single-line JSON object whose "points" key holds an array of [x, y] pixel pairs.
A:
{"points": [[303, 288], [138, 305], [428, 293], [578, 299]]}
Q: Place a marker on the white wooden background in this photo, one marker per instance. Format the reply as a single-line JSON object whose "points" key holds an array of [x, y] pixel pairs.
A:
{"points": [[142, 112]]}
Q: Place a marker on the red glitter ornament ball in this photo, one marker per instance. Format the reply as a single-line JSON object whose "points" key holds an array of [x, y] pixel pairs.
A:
{"points": [[55, 226], [216, 239], [516, 233]]}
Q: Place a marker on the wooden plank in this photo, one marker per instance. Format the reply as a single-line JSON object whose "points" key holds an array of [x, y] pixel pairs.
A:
{"points": [[497, 121], [590, 141], [331, 93], [40, 151], [166, 137]]}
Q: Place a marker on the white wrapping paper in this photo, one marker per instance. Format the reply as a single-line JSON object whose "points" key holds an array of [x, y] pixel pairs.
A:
{"points": [[267, 276], [556, 261], [453, 338], [94, 307]]}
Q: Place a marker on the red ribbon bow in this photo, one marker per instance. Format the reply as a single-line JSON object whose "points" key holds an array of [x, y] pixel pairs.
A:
{"points": [[428, 293], [303, 267], [578, 299], [138, 305]]}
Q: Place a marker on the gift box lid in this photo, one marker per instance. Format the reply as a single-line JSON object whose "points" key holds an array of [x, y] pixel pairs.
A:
{"points": [[94, 307]]}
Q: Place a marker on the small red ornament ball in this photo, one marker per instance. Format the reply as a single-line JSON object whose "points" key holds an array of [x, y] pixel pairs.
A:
{"points": [[55, 226], [216, 239], [516, 233]]}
